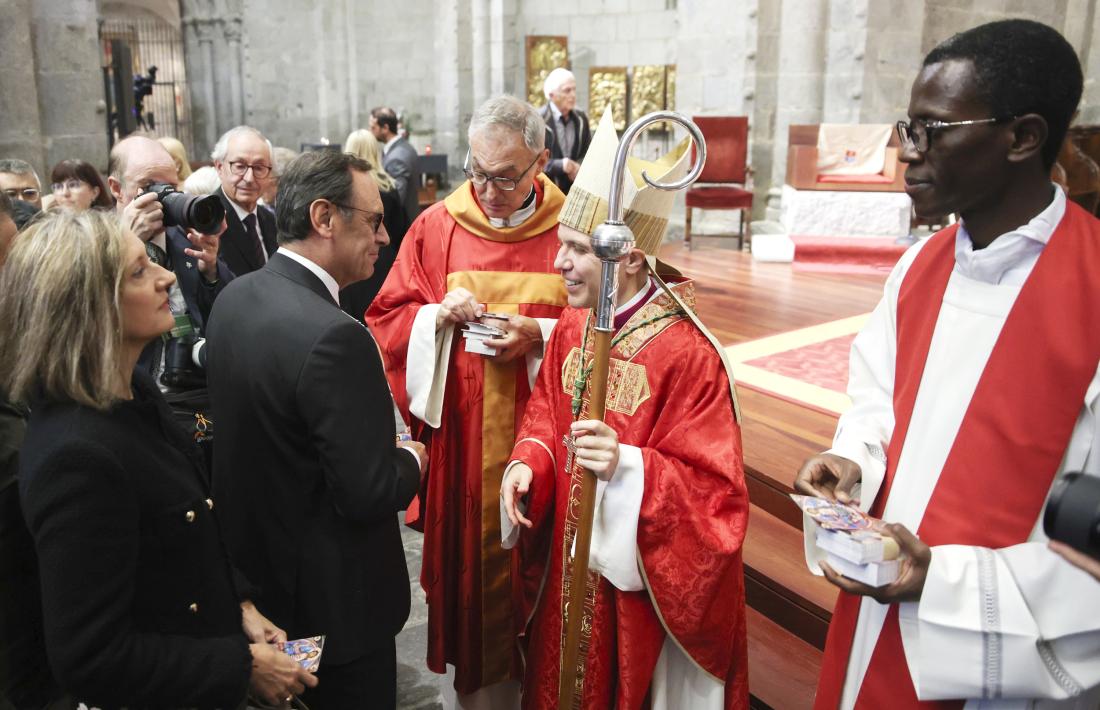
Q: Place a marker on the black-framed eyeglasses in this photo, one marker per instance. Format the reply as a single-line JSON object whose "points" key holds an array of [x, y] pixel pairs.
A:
{"points": [[919, 131], [27, 194], [259, 170], [375, 219], [501, 183]]}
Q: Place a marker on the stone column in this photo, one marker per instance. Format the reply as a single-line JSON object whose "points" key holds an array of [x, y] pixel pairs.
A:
{"points": [[69, 62], [480, 38], [844, 65], [198, 35], [448, 112], [234, 69], [799, 95], [21, 128]]}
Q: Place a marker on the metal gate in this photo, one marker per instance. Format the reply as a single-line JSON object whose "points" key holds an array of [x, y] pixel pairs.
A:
{"points": [[166, 109]]}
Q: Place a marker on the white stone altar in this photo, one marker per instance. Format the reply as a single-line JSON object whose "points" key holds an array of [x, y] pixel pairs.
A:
{"points": [[853, 215]]}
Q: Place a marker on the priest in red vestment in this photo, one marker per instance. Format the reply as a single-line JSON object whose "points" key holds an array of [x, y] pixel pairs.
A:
{"points": [[975, 386], [487, 248], [665, 622]]}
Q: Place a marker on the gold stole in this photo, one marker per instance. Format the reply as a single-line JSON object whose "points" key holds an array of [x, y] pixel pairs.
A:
{"points": [[501, 292]]}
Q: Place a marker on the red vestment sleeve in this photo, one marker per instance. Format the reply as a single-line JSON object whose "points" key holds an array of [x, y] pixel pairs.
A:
{"points": [[408, 287], [695, 510]]}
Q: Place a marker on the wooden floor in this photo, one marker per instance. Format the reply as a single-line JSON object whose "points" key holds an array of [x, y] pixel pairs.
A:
{"points": [[789, 609]]}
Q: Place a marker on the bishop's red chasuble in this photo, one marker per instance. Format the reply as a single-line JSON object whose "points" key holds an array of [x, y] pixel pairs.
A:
{"points": [[466, 574], [668, 394], [1011, 440]]}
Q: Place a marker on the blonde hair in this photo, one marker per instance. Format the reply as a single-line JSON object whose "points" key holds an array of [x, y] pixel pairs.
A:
{"points": [[179, 156], [59, 303], [363, 144]]}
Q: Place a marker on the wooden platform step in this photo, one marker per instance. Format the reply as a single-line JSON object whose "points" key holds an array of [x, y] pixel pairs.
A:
{"points": [[783, 669], [777, 583]]}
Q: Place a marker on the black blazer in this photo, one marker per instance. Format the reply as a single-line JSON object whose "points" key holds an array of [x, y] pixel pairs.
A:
{"points": [[582, 137], [235, 249], [356, 298], [400, 162], [306, 471], [138, 595]]}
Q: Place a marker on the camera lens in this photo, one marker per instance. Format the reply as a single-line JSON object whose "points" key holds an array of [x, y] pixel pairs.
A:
{"points": [[192, 211], [1073, 513], [205, 213]]}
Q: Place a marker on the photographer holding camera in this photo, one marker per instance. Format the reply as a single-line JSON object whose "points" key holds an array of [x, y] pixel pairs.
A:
{"points": [[182, 234]]}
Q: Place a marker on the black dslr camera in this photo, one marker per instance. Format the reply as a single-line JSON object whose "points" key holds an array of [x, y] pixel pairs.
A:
{"points": [[201, 213], [1073, 513], [180, 370]]}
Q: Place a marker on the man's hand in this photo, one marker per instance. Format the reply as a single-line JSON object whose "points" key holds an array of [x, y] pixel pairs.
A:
{"points": [[570, 167], [257, 627], [910, 582], [421, 452], [144, 216], [205, 252], [1077, 559], [276, 677], [828, 476], [521, 335], [597, 447], [458, 306], [514, 486]]}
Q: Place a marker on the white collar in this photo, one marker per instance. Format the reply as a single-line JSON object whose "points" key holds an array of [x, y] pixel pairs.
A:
{"points": [[242, 212], [555, 112], [326, 279], [389, 144], [518, 217], [1012, 250], [638, 296], [161, 240]]}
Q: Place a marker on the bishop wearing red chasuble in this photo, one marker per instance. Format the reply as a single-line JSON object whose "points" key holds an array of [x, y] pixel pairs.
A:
{"points": [[975, 386], [664, 626], [488, 248]]}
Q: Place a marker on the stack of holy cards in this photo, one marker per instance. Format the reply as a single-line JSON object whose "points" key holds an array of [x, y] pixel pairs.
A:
{"points": [[853, 546], [307, 651], [476, 334]]}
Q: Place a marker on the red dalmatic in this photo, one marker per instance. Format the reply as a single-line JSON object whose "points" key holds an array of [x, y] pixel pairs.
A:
{"points": [[1012, 437]]}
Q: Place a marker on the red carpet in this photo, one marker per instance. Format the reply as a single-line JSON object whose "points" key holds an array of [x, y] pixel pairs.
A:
{"points": [[808, 366], [846, 255], [824, 364]]}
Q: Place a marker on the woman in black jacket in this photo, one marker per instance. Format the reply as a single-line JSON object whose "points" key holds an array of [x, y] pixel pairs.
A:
{"points": [[140, 604]]}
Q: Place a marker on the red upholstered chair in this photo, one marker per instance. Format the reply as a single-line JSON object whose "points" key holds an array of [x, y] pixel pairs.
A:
{"points": [[725, 181]]}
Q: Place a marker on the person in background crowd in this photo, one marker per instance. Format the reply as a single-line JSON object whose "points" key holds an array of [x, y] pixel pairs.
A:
{"points": [[204, 181], [20, 182], [77, 185], [140, 604], [399, 158], [179, 157], [356, 298], [281, 158], [568, 127]]}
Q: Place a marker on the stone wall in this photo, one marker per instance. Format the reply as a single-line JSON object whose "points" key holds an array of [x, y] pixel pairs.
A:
{"points": [[51, 89]]}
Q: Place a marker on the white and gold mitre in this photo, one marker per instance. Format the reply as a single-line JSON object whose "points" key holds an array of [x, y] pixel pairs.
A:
{"points": [[646, 208]]}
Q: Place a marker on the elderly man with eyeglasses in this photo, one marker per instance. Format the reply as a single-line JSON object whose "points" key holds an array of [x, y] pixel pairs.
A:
{"points": [[243, 159], [485, 254], [975, 387]]}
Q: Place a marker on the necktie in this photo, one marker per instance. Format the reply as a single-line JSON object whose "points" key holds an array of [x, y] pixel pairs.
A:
{"points": [[254, 240]]}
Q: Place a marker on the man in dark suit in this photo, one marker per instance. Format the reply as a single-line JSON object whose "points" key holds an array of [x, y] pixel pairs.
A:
{"points": [[243, 159], [398, 158], [135, 164], [306, 471], [567, 126]]}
